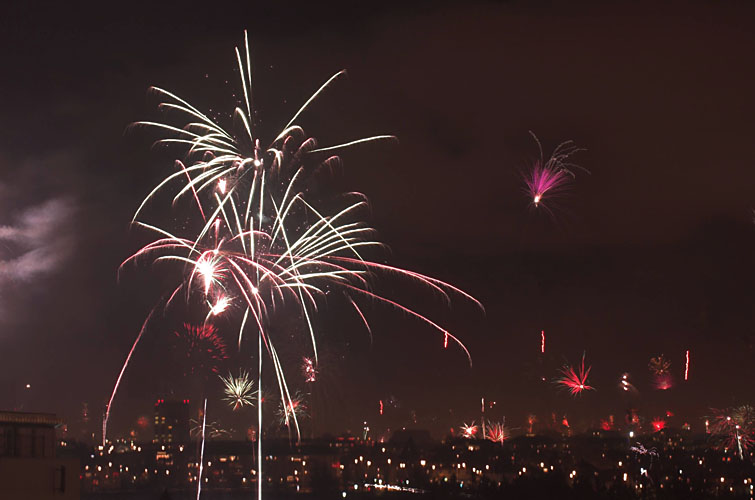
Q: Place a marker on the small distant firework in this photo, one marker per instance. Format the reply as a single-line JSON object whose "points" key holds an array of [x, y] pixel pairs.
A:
{"points": [[625, 385], [469, 431], [607, 424], [309, 370], [497, 432], [575, 381], [203, 348], [238, 390], [651, 453], [664, 382], [641, 450], [659, 365], [547, 180], [734, 428], [632, 417], [381, 406], [658, 424], [686, 366], [213, 430], [293, 408], [531, 419]]}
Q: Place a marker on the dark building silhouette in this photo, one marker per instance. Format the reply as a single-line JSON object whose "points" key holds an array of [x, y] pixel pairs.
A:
{"points": [[29, 468]]}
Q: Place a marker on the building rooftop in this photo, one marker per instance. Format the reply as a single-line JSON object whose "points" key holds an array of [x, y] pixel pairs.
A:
{"points": [[17, 417]]}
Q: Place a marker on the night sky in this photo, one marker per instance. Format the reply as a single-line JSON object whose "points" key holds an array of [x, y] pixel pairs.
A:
{"points": [[653, 252]]}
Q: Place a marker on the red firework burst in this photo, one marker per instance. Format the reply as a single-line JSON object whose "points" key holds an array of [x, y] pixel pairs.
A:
{"points": [[658, 424], [575, 380], [734, 428], [202, 347]]}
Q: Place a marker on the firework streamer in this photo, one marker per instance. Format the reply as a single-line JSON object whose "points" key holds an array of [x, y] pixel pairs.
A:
{"points": [[686, 366], [542, 342], [120, 376], [482, 403], [201, 453]]}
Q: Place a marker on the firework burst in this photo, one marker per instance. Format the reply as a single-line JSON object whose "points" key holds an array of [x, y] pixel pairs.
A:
{"points": [[497, 432], [734, 428], [238, 391], [659, 365], [658, 424], [261, 243], [575, 380], [547, 180], [469, 431], [293, 408], [202, 347]]}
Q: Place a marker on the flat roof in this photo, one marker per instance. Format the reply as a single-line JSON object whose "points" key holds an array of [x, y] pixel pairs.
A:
{"points": [[17, 417]]}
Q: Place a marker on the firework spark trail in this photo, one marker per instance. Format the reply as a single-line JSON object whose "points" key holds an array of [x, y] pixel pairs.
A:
{"points": [[120, 376], [542, 341], [201, 453], [575, 381], [686, 366]]}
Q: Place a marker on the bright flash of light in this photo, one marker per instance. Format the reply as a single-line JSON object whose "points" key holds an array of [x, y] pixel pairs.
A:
{"points": [[220, 305], [575, 380], [238, 391], [469, 431], [658, 424], [625, 384]]}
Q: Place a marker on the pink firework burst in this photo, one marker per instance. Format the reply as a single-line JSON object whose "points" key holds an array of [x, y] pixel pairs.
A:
{"points": [[547, 180], [575, 380]]}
